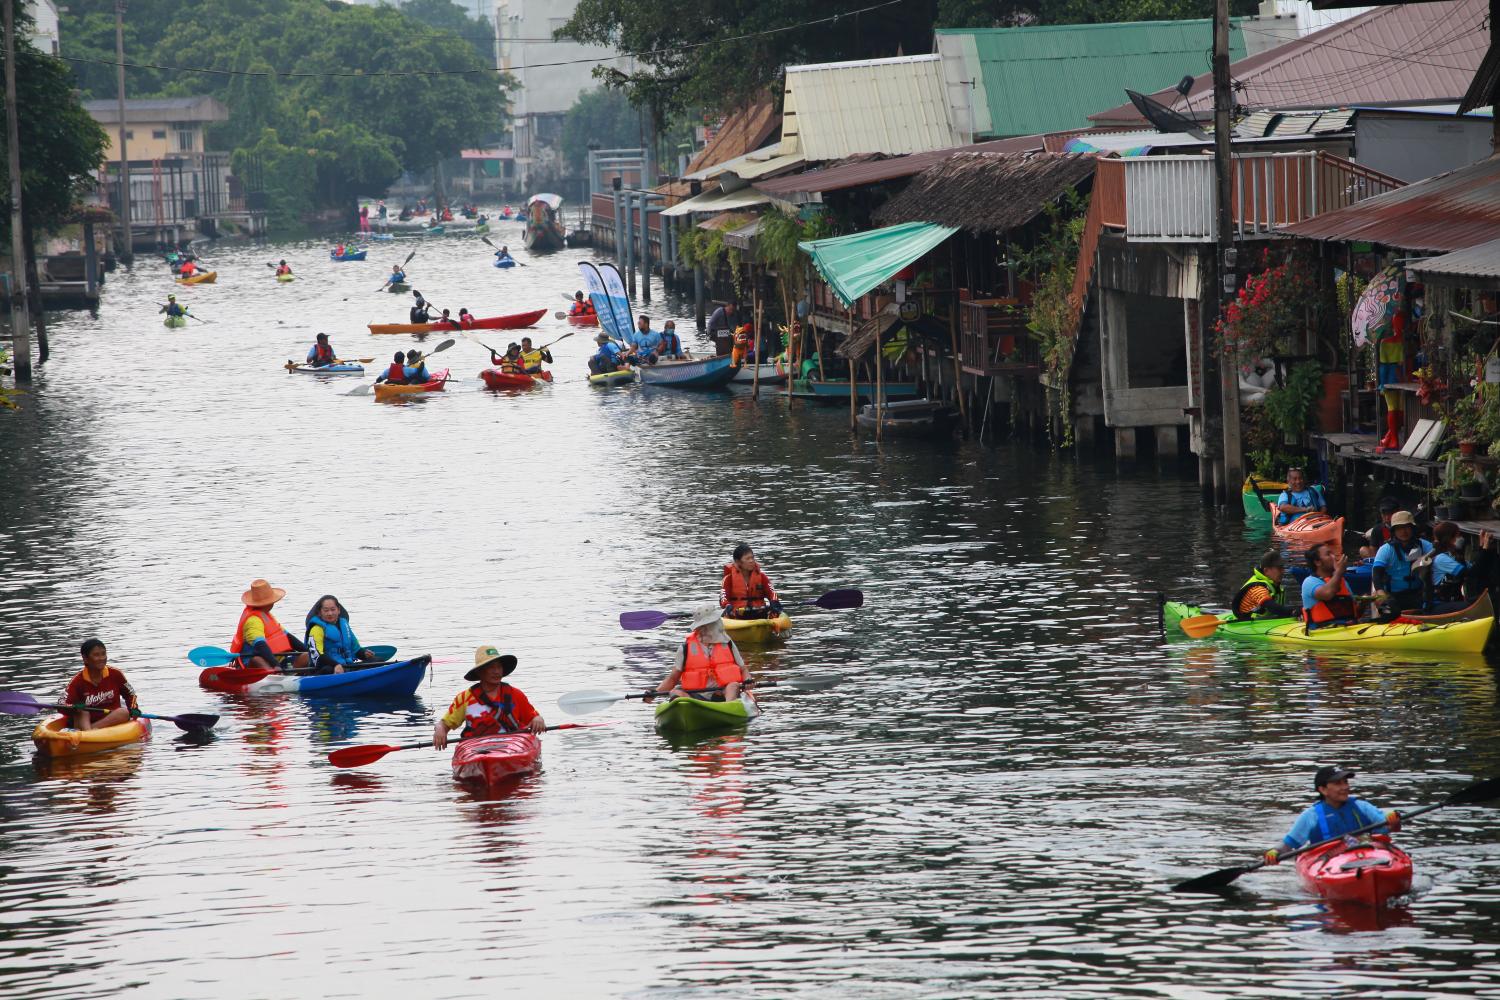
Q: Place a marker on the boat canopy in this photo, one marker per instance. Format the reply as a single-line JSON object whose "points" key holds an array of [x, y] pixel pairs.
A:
{"points": [[552, 201]]}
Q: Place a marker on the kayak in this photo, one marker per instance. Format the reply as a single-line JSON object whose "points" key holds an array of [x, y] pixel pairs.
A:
{"points": [[756, 629], [434, 230], [1368, 873], [343, 368], [284, 278], [203, 278], [493, 759], [614, 377], [494, 378], [1461, 631], [584, 319], [435, 384], [482, 228], [54, 739], [515, 321], [174, 321], [398, 288], [393, 679], [506, 262], [690, 715], [1310, 529], [354, 255], [1253, 510]]}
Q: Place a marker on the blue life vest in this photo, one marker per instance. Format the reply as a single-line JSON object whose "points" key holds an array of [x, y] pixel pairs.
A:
{"points": [[1336, 823], [339, 641]]}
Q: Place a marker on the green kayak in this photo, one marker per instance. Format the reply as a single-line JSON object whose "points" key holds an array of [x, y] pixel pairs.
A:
{"points": [[1174, 612], [398, 288], [174, 321], [689, 715]]}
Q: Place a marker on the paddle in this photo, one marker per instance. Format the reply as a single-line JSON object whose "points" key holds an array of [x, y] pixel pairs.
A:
{"points": [[1479, 791], [470, 336], [21, 703], [584, 702], [834, 600], [371, 752], [294, 365], [487, 240], [369, 387], [1265, 504], [217, 656], [409, 256]]}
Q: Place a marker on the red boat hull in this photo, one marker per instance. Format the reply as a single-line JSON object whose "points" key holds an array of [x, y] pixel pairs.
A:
{"points": [[1369, 874], [231, 679], [494, 378], [493, 760], [592, 319]]}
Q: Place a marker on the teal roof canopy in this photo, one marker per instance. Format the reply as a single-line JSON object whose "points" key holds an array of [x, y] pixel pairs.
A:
{"points": [[852, 265], [1049, 79]]}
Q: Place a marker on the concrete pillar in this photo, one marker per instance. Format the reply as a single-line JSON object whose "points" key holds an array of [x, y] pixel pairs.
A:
{"points": [[700, 298], [619, 228], [90, 260], [1166, 441], [1124, 444], [645, 251], [629, 238]]}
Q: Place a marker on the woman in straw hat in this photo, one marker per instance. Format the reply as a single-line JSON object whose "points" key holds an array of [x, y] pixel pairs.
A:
{"points": [[259, 638], [491, 706], [708, 665]]}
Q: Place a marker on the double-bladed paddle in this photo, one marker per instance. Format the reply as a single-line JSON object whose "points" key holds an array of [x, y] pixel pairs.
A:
{"points": [[409, 256], [369, 387], [21, 703], [1480, 791], [217, 656], [470, 336], [584, 702], [187, 314], [834, 600], [371, 752]]}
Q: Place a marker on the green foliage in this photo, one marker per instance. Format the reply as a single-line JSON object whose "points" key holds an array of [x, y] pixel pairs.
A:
{"points": [[290, 173], [1265, 449], [1051, 265], [1290, 407], [776, 247], [453, 19], [602, 116]]}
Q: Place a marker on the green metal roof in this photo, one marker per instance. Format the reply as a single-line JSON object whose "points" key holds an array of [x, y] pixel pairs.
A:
{"points": [[1047, 79]]}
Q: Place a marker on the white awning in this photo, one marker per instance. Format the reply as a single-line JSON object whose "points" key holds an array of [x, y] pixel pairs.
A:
{"points": [[718, 201]]}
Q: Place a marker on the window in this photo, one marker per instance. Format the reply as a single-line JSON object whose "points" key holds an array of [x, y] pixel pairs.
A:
{"points": [[185, 139], [158, 133], [129, 135]]}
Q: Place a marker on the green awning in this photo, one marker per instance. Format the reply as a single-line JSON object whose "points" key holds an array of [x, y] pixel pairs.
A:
{"points": [[852, 265]]}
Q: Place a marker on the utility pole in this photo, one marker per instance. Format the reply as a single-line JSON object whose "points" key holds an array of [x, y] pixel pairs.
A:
{"points": [[127, 250], [1231, 469], [20, 316]]}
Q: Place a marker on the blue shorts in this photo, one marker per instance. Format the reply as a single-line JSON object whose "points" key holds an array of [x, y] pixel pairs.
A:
{"points": [[1388, 374]]}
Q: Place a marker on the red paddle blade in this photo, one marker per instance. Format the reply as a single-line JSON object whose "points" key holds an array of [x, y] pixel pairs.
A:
{"points": [[359, 756]]}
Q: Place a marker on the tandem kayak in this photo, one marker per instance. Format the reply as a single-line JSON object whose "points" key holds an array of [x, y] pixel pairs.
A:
{"points": [[356, 255], [756, 629], [613, 378], [174, 321], [691, 715], [386, 390], [1464, 631], [54, 738], [1368, 873], [338, 369], [494, 378], [389, 679], [1310, 529], [515, 321], [494, 759], [205, 278]]}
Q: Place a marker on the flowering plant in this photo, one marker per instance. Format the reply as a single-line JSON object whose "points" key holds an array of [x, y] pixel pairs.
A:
{"points": [[1268, 305]]}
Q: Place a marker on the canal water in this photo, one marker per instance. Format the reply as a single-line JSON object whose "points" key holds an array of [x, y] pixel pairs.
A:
{"points": [[994, 801]]}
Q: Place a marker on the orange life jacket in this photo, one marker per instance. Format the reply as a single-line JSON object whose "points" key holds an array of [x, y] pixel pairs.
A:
{"points": [[322, 352], [740, 594], [701, 665], [276, 636], [1341, 607]]}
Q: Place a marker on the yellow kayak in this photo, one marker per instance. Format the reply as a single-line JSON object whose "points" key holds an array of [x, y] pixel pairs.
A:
{"points": [[1454, 637], [201, 278], [53, 738], [756, 629]]}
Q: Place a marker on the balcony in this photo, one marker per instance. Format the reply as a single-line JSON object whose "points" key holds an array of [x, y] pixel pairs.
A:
{"points": [[993, 339]]}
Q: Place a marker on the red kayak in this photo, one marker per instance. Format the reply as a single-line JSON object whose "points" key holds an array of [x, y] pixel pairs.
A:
{"points": [[585, 319], [494, 759], [494, 378], [231, 679], [514, 322], [1369, 874]]}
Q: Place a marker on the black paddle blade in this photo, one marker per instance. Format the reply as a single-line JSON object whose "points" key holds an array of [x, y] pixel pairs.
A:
{"points": [[839, 600], [193, 722], [1214, 881], [1480, 791]]}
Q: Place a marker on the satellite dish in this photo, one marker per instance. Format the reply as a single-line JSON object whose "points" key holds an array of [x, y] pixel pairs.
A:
{"points": [[1163, 117], [1184, 85]]}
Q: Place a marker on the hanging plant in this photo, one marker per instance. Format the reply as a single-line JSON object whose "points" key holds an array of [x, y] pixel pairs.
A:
{"points": [[1271, 304], [1051, 320]]}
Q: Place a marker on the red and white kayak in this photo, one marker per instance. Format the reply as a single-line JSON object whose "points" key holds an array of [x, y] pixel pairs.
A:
{"points": [[495, 759], [494, 378], [1370, 873]]}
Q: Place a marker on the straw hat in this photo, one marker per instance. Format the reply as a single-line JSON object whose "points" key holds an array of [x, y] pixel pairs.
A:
{"points": [[707, 615], [1403, 517], [602, 338], [261, 595], [484, 656]]}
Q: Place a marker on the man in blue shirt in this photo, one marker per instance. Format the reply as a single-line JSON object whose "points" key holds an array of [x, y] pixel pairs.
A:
{"points": [[609, 358], [1335, 814], [1396, 585], [1298, 498], [645, 341]]}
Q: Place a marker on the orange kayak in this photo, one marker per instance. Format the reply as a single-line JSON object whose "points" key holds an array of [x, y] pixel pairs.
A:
{"points": [[587, 319], [435, 384], [1310, 529]]}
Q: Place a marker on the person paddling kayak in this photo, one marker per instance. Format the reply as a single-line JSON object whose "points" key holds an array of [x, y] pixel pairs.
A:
{"points": [[283, 268], [99, 685], [421, 312], [321, 354], [1326, 597], [1298, 498], [503, 254], [259, 638], [416, 368], [708, 662], [331, 643], [747, 591], [581, 306], [397, 276], [396, 373], [1262, 595], [609, 358], [172, 308], [532, 357], [511, 362], [491, 706], [1335, 814]]}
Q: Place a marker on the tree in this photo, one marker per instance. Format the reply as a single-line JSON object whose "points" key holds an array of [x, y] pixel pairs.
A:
{"points": [[602, 116], [1014, 13], [448, 16]]}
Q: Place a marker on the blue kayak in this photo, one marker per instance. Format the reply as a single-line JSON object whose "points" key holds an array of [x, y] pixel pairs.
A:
{"points": [[400, 679], [356, 255], [507, 262]]}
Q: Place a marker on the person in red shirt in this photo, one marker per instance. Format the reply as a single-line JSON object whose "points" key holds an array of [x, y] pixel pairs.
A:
{"points": [[98, 685], [747, 590], [491, 706]]}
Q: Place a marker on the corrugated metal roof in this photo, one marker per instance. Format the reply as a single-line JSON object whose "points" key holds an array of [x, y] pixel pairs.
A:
{"points": [[1265, 124], [756, 163], [1451, 211], [1391, 55], [717, 201], [1478, 266], [1046, 79], [875, 168], [834, 110], [746, 129]]}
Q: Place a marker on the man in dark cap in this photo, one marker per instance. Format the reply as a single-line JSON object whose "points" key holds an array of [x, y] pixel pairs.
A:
{"points": [[1335, 814]]}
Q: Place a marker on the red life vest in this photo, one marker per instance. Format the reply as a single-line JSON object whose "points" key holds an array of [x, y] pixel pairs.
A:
{"points": [[1324, 612], [322, 353], [582, 309], [740, 594], [396, 373], [276, 636], [705, 667], [484, 717]]}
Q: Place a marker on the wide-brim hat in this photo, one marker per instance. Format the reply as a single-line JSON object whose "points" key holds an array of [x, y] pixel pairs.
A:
{"points": [[1403, 517], [261, 595], [484, 656], [601, 338], [707, 615]]}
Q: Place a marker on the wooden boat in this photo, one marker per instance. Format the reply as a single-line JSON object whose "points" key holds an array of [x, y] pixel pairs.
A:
{"points": [[769, 374], [914, 417], [515, 321], [691, 373], [543, 233], [838, 391]]}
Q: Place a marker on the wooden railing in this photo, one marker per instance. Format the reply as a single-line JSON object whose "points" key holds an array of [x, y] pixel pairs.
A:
{"points": [[993, 339]]}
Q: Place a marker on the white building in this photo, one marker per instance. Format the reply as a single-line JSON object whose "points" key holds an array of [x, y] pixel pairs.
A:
{"points": [[549, 75], [1277, 22], [44, 36]]}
